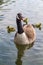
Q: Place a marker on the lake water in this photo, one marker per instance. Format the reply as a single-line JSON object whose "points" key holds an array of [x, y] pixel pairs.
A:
{"points": [[11, 54]]}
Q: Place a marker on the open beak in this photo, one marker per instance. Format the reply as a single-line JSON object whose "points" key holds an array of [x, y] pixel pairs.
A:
{"points": [[25, 20], [22, 18]]}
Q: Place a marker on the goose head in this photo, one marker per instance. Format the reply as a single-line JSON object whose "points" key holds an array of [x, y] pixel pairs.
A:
{"points": [[19, 16]]}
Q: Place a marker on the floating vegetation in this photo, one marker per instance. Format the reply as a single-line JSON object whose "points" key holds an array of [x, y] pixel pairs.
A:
{"points": [[10, 29]]}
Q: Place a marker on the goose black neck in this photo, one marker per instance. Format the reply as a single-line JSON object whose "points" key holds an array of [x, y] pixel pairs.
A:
{"points": [[19, 26]]}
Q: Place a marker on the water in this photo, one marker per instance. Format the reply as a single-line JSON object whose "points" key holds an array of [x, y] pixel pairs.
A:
{"points": [[11, 54]]}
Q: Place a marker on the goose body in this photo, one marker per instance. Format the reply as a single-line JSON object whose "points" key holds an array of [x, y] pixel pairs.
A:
{"points": [[25, 34]]}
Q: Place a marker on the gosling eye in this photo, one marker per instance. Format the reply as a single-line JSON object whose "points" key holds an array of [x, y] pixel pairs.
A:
{"points": [[7, 27]]}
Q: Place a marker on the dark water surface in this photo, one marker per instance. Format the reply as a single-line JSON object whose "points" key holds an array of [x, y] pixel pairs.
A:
{"points": [[11, 54]]}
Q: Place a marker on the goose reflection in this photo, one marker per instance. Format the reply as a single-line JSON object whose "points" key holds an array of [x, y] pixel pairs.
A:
{"points": [[20, 53]]}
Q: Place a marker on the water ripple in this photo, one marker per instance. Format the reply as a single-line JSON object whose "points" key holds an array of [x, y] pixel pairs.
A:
{"points": [[9, 54]]}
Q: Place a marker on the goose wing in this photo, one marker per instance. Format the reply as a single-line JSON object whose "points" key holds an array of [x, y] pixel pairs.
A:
{"points": [[30, 31]]}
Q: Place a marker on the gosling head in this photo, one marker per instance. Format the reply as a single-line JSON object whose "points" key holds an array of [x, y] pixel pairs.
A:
{"points": [[7, 27]]}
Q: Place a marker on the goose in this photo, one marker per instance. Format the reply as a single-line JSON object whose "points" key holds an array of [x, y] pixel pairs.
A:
{"points": [[25, 34]]}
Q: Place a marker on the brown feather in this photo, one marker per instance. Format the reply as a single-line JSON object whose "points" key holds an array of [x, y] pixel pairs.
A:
{"points": [[30, 31]]}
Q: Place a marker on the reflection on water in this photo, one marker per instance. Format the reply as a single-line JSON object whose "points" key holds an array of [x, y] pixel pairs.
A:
{"points": [[20, 53], [1, 2], [1, 17], [1, 8]]}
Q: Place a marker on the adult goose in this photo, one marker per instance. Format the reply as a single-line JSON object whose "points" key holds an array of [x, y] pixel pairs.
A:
{"points": [[25, 34]]}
